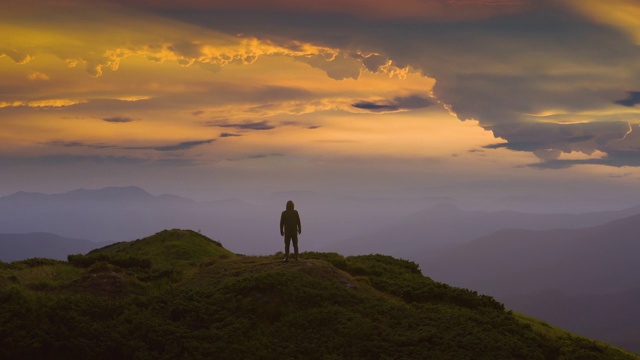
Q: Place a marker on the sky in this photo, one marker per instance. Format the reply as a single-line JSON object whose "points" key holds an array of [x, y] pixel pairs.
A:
{"points": [[529, 104]]}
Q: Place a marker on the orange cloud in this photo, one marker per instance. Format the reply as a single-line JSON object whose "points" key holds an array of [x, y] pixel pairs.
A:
{"points": [[621, 14], [15, 55], [109, 38], [53, 103], [37, 76]]}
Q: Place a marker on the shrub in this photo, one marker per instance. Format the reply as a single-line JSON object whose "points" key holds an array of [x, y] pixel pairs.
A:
{"points": [[123, 261]]}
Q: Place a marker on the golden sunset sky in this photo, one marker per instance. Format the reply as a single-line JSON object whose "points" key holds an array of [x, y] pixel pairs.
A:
{"points": [[479, 100]]}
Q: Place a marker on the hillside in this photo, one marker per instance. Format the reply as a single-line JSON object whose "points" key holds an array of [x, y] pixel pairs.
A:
{"points": [[177, 294], [611, 317], [168, 248], [581, 279]]}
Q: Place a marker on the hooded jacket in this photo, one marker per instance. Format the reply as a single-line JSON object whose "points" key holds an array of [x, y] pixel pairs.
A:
{"points": [[290, 221]]}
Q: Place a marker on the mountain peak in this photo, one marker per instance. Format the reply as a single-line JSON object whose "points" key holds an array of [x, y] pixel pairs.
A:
{"points": [[173, 247], [110, 193]]}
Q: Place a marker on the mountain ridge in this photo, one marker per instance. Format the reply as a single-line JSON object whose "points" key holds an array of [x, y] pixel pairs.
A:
{"points": [[142, 300], [19, 246], [360, 224], [590, 252]]}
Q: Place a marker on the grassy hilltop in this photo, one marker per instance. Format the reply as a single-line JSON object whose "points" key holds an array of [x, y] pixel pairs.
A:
{"points": [[180, 295]]}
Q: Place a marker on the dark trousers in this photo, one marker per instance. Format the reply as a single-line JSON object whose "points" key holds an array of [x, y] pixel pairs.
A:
{"points": [[287, 241]]}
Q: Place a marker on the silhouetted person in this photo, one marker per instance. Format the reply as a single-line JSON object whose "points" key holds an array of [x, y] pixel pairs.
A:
{"points": [[290, 228]]}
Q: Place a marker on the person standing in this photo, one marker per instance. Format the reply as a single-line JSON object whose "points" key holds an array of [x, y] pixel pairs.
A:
{"points": [[290, 227]]}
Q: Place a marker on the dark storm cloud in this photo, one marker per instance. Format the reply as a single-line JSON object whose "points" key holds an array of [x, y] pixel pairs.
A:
{"points": [[412, 102], [548, 141], [118, 119], [632, 99], [502, 71], [256, 125], [533, 146]]}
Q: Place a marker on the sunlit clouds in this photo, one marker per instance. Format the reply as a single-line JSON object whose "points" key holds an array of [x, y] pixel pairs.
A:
{"points": [[620, 14], [401, 95]]}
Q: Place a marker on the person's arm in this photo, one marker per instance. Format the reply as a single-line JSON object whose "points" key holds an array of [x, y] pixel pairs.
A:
{"points": [[299, 224], [282, 224]]}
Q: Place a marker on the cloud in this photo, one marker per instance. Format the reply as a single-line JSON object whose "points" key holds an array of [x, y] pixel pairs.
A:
{"points": [[375, 106], [73, 144], [340, 68], [619, 14], [47, 103], [440, 10], [60, 159], [493, 72], [613, 158], [88, 41], [548, 140], [38, 76], [175, 147], [543, 81], [632, 99], [559, 106], [399, 103], [16, 55], [413, 102], [225, 135], [186, 145], [256, 156], [264, 156], [118, 119], [257, 125]]}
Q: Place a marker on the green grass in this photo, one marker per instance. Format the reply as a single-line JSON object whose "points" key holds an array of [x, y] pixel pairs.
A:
{"points": [[38, 273], [177, 294], [575, 346], [170, 248]]}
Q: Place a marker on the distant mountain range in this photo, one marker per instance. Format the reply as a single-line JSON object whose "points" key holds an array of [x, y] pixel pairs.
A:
{"points": [[421, 236], [564, 276], [596, 259], [43, 245], [121, 214], [127, 213], [99, 215]]}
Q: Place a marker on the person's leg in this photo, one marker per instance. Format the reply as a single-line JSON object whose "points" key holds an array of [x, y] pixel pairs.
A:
{"points": [[287, 242], [295, 245]]}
